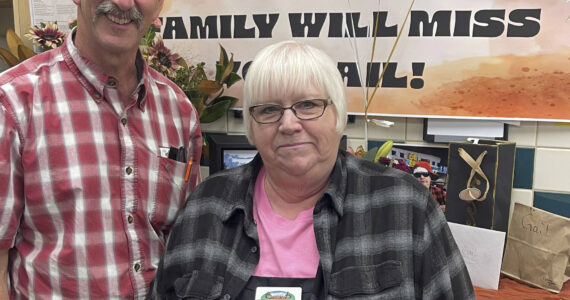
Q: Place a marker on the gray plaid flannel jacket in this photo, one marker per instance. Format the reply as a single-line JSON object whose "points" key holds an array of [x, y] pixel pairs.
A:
{"points": [[379, 232]]}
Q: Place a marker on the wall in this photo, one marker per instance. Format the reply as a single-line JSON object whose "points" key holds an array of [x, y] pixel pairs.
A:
{"points": [[7, 17], [22, 18], [543, 149], [542, 155]]}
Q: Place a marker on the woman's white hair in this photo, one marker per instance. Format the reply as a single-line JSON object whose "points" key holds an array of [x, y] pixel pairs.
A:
{"points": [[288, 69]]}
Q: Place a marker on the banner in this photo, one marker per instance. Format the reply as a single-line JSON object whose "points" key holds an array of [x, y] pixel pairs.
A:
{"points": [[488, 59]]}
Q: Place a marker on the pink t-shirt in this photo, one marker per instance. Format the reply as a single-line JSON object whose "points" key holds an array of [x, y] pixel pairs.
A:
{"points": [[287, 247]]}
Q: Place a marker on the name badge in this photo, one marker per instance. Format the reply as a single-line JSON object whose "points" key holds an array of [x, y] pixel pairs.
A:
{"points": [[278, 293]]}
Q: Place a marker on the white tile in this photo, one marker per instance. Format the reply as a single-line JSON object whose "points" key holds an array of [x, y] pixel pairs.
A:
{"points": [[522, 196], [552, 135], [235, 125], [396, 133], [523, 135], [414, 130], [355, 130], [220, 125], [551, 170]]}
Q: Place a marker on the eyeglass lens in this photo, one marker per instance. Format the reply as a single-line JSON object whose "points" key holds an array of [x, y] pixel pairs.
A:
{"points": [[418, 174], [304, 110]]}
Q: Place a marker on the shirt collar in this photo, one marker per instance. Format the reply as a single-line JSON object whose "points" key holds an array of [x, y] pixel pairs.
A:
{"points": [[93, 79], [334, 193]]}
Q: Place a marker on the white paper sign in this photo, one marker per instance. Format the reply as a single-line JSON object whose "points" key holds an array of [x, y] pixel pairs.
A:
{"points": [[62, 11], [482, 250]]}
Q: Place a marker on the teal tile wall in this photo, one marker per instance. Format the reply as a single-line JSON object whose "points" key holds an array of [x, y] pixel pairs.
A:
{"points": [[372, 144], [556, 203], [524, 168]]}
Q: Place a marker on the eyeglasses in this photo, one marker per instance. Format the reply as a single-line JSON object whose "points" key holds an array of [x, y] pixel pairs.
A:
{"points": [[304, 110], [418, 174]]}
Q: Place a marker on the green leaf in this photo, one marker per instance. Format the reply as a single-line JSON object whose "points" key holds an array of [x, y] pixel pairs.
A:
{"points": [[224, 98], [213, 112], [182, 62], [227, 70], [199, 73], [232, 78], [208, 87], [219, 72], [370, 154], [223, 56], [196, 101]]}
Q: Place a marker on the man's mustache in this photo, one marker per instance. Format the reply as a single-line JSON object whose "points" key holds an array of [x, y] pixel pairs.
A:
{"points": [[108, 7]]}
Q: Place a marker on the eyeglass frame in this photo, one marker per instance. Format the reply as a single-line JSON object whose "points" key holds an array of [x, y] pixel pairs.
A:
{"points": [[326, 103]]}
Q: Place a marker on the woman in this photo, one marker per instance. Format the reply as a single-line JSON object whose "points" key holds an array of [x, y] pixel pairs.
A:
{"points": [[305, 217]]}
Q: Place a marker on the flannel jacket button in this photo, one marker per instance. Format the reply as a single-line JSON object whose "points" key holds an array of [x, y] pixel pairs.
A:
{"points": [[124, 121], [130, 219], [97, 95], [253, 249], [129, 170], [137, 267]]}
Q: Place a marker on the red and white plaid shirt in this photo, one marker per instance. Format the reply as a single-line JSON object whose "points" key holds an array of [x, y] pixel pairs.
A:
{"points": [[86, 198]]}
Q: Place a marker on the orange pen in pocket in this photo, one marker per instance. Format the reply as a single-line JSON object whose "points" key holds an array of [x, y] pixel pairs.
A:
{"points": [[188, 168]]}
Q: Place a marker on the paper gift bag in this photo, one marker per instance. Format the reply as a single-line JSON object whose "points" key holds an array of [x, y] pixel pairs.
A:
{"points": [[538, 246], [480, 180]]}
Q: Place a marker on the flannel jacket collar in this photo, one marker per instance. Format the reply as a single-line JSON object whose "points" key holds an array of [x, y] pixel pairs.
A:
{"points": [[243, 202]]}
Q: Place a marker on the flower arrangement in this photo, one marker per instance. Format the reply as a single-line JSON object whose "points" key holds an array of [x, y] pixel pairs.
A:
{"points": [[381, 155], [205, 94]]}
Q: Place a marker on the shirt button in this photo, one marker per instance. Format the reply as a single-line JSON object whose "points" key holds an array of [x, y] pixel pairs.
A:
{"points": [[253, 249], [112, 82], [137, 267], [124, 121], [97, 96], [227, 297], [129, 170], [130, 219]]}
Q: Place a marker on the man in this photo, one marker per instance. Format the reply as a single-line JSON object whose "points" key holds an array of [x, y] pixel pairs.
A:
{"points": [[96, 153], [424, 173]]}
